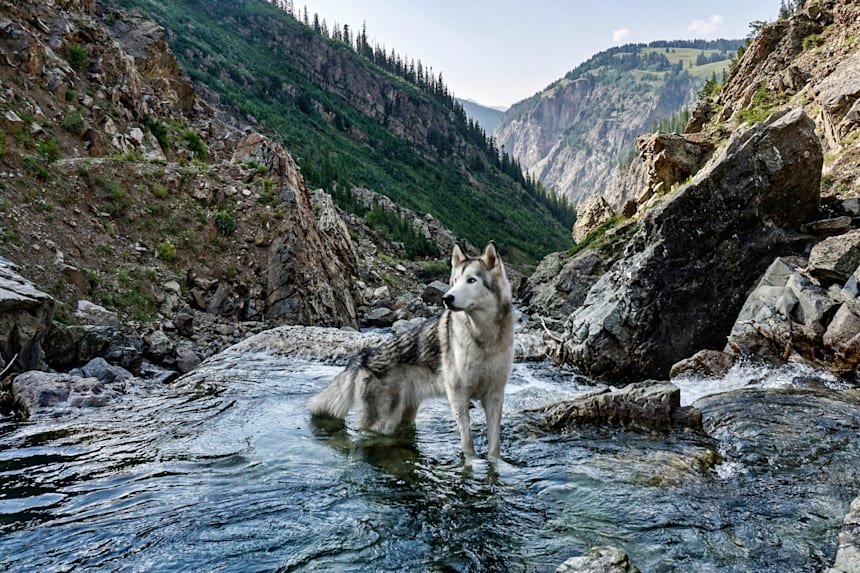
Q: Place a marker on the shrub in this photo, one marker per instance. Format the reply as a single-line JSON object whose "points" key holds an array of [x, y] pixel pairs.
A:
{"points": [[36, 168], [50, 150], [166, 251], [71, 95], [73, 122], [77, 56], [195, 144], [160, 191], [225, 222], [158, 129], [811, 42]]}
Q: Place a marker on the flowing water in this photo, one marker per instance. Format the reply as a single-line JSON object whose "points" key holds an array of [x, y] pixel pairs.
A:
{"points": [[227, 472]]}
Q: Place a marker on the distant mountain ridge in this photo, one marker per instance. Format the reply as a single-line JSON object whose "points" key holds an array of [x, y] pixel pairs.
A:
{"points": [[487, 116], [354, 115], [575, 134]]}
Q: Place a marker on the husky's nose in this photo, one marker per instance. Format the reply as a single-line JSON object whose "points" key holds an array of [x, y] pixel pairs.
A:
{"points": [[448, 299]]}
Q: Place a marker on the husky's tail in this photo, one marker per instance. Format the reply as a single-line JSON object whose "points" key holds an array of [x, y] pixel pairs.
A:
{"points": [[336, 399]]}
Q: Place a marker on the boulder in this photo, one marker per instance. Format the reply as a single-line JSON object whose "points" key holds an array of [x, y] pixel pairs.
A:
{"points": [[94, 315], [670, 158], [381, 317], [186, 359], [433, 292], [848, 554], [25, 318], [835, 258], [590, 214], [684, 274], [34, 391], [105, 373], [648, 405], [309, 342], [842, 339], [602, 559]]}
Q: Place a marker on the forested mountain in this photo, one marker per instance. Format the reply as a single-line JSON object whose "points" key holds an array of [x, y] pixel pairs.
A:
{"points": [[487, 117], [574, 134], [353, 114]]}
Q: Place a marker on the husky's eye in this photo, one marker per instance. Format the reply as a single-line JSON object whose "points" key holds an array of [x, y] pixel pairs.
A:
{"points": [[471, 280]]}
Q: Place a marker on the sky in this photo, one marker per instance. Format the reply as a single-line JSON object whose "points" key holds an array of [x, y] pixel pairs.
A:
{"points": [[500, 52]]}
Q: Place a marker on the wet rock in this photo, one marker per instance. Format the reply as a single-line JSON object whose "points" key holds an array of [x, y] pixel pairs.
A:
{"points": [[530, 345], [685, 273], [832, 226], [25, 318], [650, 405], [707, 363], [34, 391], [602, 559], [835, 258], [590, 214], [848, 554], [156, 374], [92, 314]]}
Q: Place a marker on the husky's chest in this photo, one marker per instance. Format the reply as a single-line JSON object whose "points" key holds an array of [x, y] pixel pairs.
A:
{"points": [[478, 367]]}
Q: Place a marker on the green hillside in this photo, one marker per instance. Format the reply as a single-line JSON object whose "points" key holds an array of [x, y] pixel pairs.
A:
{"points": [[342, 117]]}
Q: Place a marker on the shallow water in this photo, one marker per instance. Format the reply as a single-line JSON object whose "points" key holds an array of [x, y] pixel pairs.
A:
{"points": [[227, 472]]}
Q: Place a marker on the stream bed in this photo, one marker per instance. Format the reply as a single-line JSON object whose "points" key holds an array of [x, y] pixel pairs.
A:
{"points": [[225, 471]]}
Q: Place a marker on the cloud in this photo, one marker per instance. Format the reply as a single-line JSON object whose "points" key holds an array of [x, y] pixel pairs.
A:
{"points": [[620, 34], [713, 26]]}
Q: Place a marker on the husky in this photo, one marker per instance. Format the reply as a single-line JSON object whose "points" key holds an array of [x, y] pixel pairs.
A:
{"points": [[465, 353]]}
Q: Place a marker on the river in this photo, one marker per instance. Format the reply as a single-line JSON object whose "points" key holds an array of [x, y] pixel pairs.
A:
{"points": [[225, 471]]}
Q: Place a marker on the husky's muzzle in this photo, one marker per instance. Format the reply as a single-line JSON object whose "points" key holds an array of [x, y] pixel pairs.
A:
{"points": [[448, 301]]}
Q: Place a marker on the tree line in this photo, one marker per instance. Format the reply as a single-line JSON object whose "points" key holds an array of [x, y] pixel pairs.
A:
{"points": [[424, 78]]}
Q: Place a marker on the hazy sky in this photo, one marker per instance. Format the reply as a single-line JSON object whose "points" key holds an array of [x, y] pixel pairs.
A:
{"points": [[499, 52]]}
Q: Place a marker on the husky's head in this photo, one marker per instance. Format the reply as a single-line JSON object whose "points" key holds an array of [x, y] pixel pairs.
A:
{"points": [[477, 283]]}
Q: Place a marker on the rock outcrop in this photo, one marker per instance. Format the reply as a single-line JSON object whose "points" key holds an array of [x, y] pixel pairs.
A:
{"points": [[308, 282], [35, 391], [590, 214], [647, 405], [25, 317], [685, 273]]}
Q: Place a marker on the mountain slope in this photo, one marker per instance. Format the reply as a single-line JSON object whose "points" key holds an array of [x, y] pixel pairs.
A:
{"points": [[574, 134], [350, 123], [487, 117]]}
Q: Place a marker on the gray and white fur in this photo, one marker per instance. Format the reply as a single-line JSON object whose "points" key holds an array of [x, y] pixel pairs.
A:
{"points": [[465, 354]]}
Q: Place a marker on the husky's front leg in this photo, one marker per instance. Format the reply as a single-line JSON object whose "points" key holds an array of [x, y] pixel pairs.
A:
{"points": [[460, 409], [493, 408]]}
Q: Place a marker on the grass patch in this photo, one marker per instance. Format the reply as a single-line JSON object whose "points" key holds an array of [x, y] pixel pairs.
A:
{"points": [[166, 251], [811, 42], [761, 107], [36, 167], [195, 144]]}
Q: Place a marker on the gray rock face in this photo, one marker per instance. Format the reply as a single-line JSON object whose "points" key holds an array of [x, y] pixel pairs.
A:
{"points": [[669, 158], [36, 391], [848, 555], [685, 273], [25, 317], [650, 405], [602, 559], [312, 342]]}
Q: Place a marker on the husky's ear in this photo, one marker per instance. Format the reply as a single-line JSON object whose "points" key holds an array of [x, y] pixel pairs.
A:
{"points": [[490, 257], [457, 256]]}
